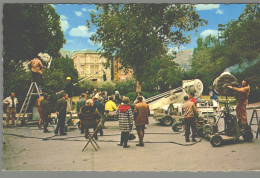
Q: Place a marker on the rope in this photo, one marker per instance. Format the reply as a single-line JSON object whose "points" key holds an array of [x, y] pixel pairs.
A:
{"points": [[66, 139], [181, 144]]}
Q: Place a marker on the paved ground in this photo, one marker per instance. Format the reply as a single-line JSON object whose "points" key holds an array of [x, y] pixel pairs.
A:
{"points": [[32, 152]]}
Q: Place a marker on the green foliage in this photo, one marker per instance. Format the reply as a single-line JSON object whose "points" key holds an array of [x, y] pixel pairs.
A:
{"points": [[168, 74], [131, 95], [126, 86], [123, 87], [109, 86], [29, 29], [136, 33], [150, 94], [243, 35], [239, 52], [252, 75], [88, 86]]}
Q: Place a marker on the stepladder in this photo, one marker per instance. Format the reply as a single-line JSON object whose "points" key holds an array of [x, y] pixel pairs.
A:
{"points": [[257, 121], [33, 90]]}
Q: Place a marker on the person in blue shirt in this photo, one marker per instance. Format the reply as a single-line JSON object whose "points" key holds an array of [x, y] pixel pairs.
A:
{"points": [[214, 98]]}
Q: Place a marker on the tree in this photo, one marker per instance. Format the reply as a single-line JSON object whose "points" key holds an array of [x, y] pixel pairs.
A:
{"points": [[207, 60], [136, 33], [54, 78], [243, 35], [27, 30], [241, 47], [168, 74]]}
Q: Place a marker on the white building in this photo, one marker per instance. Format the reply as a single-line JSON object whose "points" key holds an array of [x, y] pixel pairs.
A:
{"points": [[88, 63]]}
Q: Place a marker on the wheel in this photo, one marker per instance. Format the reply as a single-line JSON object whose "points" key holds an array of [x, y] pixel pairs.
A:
{"points": [[210, 118], [167, 120], [247, 135], [200, 132], [177, 127], [216, 141]]}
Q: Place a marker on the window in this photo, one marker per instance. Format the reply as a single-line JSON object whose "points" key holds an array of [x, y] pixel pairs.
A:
{"points": [[96, 60], [96, 68], [82, 69], [91, 69]]}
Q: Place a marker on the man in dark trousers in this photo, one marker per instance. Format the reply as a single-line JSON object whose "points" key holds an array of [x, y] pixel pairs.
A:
{"points": [[189, 112], [68, 89], [141, 114], [61, 113], [80, 103], [46, 112], [101, 109]]}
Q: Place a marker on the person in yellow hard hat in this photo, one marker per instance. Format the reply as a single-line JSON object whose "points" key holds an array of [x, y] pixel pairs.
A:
{"points": [[68, 90]]}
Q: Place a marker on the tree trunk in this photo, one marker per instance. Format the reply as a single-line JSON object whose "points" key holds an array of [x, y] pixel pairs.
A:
{"points": [[138, 86]]}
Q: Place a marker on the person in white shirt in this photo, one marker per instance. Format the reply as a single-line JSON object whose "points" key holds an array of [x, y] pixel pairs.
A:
{"points": [[12, 102]]}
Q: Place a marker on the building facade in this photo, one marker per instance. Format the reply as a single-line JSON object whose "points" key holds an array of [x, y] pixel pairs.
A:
{"points": [[89, 64], [119, 73]]}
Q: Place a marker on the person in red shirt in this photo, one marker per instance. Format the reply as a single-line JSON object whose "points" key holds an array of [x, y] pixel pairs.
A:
{"points": [[192, 99]]}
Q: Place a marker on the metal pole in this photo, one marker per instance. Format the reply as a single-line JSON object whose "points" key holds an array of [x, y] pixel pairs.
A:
{"points": [[81, 80]]}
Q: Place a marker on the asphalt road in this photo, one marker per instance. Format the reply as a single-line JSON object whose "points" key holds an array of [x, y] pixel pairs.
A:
{"points": [[26, 148]]}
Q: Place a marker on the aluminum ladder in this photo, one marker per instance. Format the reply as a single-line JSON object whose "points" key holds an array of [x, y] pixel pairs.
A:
{"points": [[27, 99], [254, 115]]}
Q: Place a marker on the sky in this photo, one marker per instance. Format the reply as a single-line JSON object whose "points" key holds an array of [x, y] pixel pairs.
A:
{"points": [[74, 16]]}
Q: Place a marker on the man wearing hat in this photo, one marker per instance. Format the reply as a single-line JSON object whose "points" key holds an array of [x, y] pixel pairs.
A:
{"points": [[68, 90], [61, 114], [46, 112]]}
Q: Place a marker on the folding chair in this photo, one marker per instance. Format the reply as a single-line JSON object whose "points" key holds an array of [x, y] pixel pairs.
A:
{"points": [[90, 138]]}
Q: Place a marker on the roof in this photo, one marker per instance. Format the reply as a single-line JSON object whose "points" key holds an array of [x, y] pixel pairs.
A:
{"points": [[84, 52]]}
